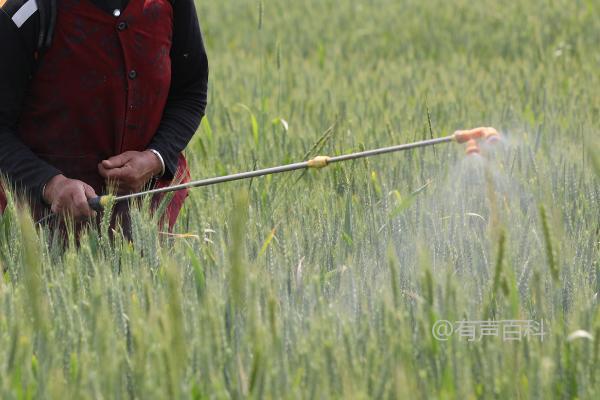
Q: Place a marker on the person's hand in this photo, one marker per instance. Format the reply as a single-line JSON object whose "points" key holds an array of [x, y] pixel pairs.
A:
{"points": [[130, 171], [69, 197]]}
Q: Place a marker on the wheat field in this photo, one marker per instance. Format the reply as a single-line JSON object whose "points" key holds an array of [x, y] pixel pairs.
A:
{"points": [[330, 283]]}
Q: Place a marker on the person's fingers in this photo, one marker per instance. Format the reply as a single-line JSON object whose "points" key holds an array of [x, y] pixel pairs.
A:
{"points": [[112, 173], [116, 161], [89, 191], [80, 204], [77, 200], [117, 173], [123, 179], [101, 170]]}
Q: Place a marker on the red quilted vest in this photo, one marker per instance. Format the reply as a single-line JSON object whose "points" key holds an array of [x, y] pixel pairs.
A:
{"points": [[101, 89]]}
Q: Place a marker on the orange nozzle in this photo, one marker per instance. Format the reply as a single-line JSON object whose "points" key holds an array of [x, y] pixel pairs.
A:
{"points": [[472, 147], [472, 134], [490, 134]]}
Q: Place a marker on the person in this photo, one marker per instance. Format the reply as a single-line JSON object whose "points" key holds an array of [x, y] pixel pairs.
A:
{"points": [[96, 93]]}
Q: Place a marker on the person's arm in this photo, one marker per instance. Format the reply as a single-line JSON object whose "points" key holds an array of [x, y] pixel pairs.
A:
{"points": [[18, 42], [187, 99]]}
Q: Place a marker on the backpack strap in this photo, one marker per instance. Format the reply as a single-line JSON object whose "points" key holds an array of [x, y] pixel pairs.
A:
{"points": [[47, 9]]}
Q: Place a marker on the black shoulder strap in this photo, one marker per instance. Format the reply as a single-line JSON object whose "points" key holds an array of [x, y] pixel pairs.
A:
{"points": [[47, 10]]}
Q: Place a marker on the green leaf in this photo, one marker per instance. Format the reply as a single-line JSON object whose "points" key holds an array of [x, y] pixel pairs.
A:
{"points": [[267, 242], [253, 122]]}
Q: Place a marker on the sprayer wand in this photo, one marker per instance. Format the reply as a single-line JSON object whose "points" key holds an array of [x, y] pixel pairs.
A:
{"points": [[469, 137]]}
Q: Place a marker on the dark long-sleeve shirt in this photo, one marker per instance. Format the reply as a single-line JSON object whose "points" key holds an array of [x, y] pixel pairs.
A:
{"points": [[185, 106]]}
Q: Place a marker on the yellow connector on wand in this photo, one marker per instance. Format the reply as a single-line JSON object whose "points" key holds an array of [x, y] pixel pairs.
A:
{"points": [[100, 202], [318, 162]]}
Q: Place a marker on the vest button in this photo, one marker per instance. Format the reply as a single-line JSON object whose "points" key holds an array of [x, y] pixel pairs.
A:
{"points": [[132, 74], [121, 26]]}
